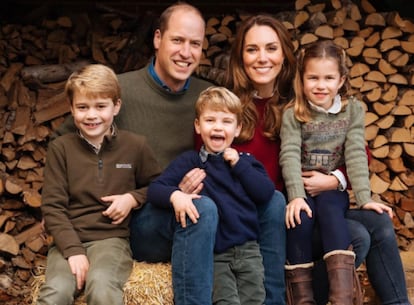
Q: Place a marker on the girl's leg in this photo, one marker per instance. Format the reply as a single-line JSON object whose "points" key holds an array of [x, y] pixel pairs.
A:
{"points": [[330, 209]]}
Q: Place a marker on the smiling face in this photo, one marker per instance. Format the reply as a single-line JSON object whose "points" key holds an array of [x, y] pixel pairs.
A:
{"points": [[322, 81], [94, 116], [262, 58], [217, 129], [179, 48]]}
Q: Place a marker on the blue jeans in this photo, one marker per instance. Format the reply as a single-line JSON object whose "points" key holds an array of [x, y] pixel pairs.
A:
{"points": [[272, 241], [157, 237], [154, 231], [374, 241], [383, 262]]}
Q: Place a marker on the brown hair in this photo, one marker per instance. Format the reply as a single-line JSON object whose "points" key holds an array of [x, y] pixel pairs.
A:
{"points": [[220, 99], [320, 49], [238, 81], [167, 13], [93, 81]]}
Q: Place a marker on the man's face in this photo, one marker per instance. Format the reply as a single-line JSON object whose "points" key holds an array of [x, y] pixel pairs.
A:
{"points": [[179, 48]]}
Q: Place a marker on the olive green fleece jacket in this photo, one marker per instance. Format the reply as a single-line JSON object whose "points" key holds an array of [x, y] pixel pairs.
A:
{"points": [[325, 143], [76, 178], [165, 118]]}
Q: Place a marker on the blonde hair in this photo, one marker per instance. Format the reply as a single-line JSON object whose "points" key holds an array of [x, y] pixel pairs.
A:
{"points": [[93, 81], [326, 49], [219, 99]]}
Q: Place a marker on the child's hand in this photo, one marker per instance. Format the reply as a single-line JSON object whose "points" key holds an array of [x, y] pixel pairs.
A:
{"points": [[316, 182], [79, 265], [119, 207], [378, 207], [231, 155], [183, 206], [293, 212]]}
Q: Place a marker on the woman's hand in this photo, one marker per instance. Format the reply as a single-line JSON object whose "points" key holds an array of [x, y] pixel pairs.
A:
{"points": [[378, 207], [316, 182]]}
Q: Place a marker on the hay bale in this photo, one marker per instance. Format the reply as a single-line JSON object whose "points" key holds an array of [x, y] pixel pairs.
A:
{"points": [[148, 284]]}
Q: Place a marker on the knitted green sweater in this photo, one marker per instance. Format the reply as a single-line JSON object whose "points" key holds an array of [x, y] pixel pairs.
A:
{"points": [[324, 144], [165, 118]]}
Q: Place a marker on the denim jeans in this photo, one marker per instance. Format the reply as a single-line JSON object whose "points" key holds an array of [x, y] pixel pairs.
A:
{"points": [[383, 262], [373, 239], [272, 241], [156, 236]]}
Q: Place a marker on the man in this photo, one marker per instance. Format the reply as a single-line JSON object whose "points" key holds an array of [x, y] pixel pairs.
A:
{"points": [[159, 103]]}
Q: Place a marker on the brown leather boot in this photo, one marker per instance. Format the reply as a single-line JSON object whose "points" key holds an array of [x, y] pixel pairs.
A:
{"points": [[299, 284], [340, 265]]}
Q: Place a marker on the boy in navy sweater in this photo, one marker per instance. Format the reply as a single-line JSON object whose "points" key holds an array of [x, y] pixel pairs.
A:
{"points": [[236, 182]]}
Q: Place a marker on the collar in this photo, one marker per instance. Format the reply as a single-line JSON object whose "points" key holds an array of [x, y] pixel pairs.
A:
{"points": [[334, 109], [154, 75], [97, 148], [256, 95], [204, 154]]}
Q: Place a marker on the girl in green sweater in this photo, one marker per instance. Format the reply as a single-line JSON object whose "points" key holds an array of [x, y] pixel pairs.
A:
{"points": [[324, 130]]}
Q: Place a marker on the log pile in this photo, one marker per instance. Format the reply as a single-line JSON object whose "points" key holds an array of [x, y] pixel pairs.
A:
{"points": [[36, 59]]}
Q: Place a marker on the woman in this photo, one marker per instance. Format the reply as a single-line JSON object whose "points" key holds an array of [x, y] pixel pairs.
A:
{"points": [[261, 70]]}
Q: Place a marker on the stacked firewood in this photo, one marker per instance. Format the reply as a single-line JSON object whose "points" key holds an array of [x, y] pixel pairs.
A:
{"points": [[37, 58]]}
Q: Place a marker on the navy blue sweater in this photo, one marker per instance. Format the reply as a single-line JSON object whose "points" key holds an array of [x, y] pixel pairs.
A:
{"points": [[236, 191]]}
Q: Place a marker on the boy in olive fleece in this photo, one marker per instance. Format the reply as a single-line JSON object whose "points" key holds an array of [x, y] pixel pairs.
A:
{"points": [[93, 179]]}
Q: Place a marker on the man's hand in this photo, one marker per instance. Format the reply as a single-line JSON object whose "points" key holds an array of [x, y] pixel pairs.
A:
{"points": [[79, 265], [183, 206], [192, 182]]}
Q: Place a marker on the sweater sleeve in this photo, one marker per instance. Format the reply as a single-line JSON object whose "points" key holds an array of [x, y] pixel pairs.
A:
{"points": [[254, 179], [55, 203], [160, 190], [146, 171], [290, 155], [356, 156]]}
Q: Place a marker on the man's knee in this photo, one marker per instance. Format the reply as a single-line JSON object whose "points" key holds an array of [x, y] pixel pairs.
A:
{"points": [[207, 209], [274, 210]]}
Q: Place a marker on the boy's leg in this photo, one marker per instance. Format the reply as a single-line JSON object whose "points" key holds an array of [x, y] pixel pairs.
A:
{"points": [[157, 236], [249, 273], [60, 285], [272, 241], [225, 283], [110, 264]]}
